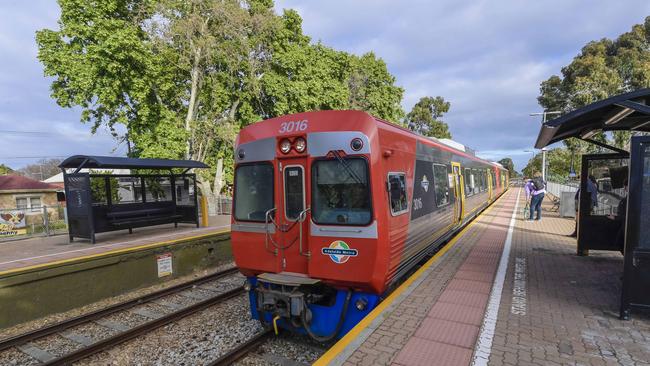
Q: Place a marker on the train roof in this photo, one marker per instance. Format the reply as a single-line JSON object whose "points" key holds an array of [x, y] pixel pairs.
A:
{"points": [[355, 120]]}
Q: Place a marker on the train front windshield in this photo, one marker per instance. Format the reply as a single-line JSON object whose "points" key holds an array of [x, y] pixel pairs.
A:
{"points": [[341, 192], [253, 191]]}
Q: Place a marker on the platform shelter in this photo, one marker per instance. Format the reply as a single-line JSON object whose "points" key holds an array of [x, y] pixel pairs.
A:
{"points": [[618, 219], [156, 191]]}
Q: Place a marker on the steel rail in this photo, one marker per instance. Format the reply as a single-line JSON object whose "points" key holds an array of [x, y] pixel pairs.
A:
{"points": [[143, 328], [242, 350], [98, 314]]}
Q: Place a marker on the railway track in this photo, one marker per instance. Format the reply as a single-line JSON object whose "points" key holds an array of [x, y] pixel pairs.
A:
{"points": [[23, 341]]}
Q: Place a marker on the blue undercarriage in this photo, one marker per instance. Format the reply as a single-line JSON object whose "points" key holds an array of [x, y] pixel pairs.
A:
{"points": [[324, 319]]}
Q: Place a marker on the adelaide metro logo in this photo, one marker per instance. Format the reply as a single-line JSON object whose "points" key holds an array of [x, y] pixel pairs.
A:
{"points": [[339, 251]]}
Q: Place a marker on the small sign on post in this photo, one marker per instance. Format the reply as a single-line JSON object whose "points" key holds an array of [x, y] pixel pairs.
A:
{"points": [[164, 264]]}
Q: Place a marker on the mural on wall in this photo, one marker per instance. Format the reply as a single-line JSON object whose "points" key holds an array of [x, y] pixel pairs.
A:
{"points": [[10, 222]]}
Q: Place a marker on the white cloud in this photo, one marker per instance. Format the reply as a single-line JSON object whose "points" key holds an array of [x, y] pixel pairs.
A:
{"points": [[486, 57]]}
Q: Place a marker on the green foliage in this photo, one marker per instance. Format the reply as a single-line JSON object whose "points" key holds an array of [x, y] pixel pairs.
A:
{"points": [[98, 187], [425, 116], [558, 163], [4, 170], [372, 88], [184, 76], [508, 164], [602, 69]]}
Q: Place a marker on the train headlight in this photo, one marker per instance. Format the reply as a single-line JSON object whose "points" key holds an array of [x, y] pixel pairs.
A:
{"points": [[247, 286], [285, 146], [241, 153], [361, 304], [300, 144], [356, 144]]}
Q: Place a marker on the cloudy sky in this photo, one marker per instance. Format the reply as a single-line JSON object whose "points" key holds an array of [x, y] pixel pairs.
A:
{"points": [[486, 57]]}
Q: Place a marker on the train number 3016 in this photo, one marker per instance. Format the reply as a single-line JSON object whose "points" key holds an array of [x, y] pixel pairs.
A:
{"points": [[294, 126]]}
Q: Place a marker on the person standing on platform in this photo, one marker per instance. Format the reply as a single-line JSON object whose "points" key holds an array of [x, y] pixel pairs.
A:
{"points": [[535, 191]]}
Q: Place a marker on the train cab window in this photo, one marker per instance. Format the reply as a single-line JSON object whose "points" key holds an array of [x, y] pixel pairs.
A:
{"points": [[341, 192], [469, 182], [253, 191], [397, 193], [441, 184]]}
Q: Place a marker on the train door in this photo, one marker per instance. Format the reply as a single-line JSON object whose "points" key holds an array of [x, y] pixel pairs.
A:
{"points": [[489, 184], [292, 218], [459, 202]]}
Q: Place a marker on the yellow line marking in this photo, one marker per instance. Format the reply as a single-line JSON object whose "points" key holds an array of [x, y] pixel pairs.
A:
{"points": [[339, 346], [110, 253]]}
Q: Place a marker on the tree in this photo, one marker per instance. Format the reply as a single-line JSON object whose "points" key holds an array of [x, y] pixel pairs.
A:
{"points": [[508, 164], [42, 169], [184, 76], [602, 69], [372, 88], [4, 170], [98, 187], [558, 162], [425, 116]]}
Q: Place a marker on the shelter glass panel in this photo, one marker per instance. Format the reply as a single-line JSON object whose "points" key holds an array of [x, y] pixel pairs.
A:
{"points": [[644, 218], [98, 190], [126, 190], [606, 185], [158, 189], [185, 191]]}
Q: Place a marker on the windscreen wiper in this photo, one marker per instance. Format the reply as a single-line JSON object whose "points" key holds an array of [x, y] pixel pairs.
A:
{"points": [[347, 167]]}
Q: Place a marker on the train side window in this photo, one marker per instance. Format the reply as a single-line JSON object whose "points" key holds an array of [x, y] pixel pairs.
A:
{"points": [[441, 184], [397, 193], [477, 181], [469, 182]]}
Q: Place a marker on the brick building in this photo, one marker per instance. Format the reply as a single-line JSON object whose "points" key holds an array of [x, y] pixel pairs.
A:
{"points": [[22, 194]]}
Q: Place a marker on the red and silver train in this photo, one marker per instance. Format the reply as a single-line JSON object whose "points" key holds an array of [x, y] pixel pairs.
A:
{"points": [[333, 208]]}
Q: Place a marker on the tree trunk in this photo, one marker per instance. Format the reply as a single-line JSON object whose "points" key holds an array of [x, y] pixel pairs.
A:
{"points": [[191, 108], [212, 192]]}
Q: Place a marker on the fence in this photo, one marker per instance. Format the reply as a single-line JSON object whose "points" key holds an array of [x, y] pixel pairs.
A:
{"points": [[18, 223], [221, 205], [556, 189]]}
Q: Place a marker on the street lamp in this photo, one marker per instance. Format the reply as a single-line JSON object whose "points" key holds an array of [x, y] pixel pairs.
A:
{"points": [[532, 158], [544, 114]]}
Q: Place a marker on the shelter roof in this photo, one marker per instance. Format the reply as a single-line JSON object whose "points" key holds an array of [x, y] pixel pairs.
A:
{"points": [[623, 112], [113, 162]]}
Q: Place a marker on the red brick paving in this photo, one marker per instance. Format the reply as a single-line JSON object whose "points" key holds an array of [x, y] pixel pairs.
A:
{"points": [[570, 303], [437, 324]]}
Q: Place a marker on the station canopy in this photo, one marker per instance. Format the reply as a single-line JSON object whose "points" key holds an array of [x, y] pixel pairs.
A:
{"points": [[623, 112], [113, 162]]}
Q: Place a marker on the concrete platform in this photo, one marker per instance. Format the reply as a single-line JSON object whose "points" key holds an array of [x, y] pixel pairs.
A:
{"points": [[503, 292], [25, 253], [42, 276]]}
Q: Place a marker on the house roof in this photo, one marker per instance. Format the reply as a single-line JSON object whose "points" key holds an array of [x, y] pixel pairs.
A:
{"points": [[18, 182]]}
